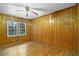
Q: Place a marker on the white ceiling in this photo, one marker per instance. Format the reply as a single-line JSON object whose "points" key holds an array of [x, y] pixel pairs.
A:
{"points": [[9, 8]]}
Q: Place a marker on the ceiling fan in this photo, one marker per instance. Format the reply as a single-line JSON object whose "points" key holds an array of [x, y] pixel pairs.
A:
{"points": [[28, 9]]}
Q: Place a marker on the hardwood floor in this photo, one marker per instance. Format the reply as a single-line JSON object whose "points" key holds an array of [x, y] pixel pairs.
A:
{"points": [[33, 49]]}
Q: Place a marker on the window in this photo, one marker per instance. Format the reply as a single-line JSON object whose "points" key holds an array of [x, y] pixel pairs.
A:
{"points": [[11, 28], [16, 28], [21, 28]]}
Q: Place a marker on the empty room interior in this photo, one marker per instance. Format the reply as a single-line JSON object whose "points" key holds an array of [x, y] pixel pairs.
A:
{"points": [[39, 29]]}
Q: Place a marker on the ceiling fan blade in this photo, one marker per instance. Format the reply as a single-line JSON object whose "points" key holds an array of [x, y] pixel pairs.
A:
{"points": [[39, 9], [35, 13], [19, 10]]}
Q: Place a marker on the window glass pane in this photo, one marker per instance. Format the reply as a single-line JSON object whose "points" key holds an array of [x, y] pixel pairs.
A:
{"points": [[21, 31], [12, 32], [12, 24], [21, 25]]}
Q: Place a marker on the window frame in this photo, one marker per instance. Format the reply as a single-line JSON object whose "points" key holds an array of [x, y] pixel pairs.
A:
{"points": [[25, 29]]}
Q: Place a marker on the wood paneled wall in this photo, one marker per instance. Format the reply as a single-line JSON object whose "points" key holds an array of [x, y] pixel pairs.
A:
{"points": [[0, 28], [57, 29], [4, 40], [78, 25]]}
